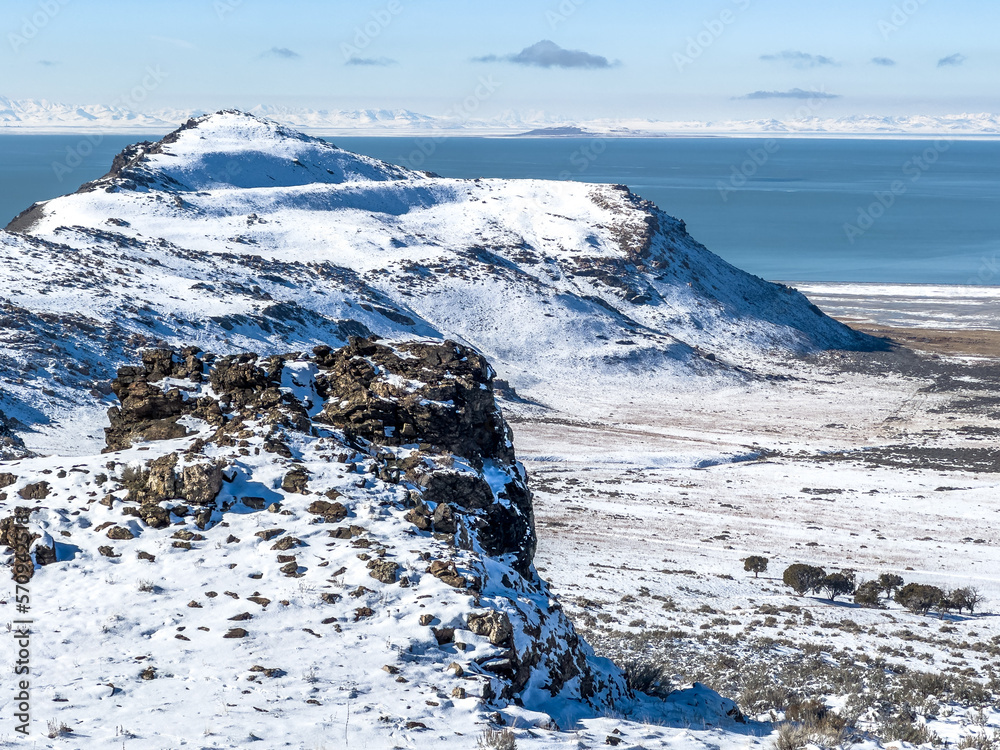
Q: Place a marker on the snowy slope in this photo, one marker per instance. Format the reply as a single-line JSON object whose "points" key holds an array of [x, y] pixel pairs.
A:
{"points": [[294, 571], [237, 233]]}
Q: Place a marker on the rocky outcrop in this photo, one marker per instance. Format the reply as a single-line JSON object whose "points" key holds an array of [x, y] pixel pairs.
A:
{"points": [[422, 416], [11, 446], [429, 393], [149, 413]]}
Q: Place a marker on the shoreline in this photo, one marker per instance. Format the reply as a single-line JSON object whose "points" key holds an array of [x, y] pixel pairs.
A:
{"points": [[955, 342]]}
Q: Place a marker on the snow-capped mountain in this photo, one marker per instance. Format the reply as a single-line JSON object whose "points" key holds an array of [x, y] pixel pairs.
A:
{"points": [[42, 116], [235, 233]]}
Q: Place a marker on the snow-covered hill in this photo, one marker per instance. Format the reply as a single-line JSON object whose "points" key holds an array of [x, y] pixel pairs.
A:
{"points": [[235, 233]]}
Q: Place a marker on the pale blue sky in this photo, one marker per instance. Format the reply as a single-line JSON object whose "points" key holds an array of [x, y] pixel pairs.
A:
{"points": [[934, 57]]}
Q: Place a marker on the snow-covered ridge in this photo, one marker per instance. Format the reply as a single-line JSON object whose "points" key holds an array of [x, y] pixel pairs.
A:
{"points": [[236, 233], [42, 116]]}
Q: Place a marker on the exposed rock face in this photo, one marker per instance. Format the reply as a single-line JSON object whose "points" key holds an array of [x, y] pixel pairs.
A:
{"points": [[149, 413], [445, 397]]}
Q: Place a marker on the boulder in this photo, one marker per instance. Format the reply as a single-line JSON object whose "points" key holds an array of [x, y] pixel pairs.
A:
{"points": [[154, 516], [296, 481], [443, 520], [494, 625], [202, 483], [331, 512], [448, 573], [35, 491]]}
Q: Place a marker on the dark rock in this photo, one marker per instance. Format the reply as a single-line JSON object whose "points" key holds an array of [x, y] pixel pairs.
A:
{"points": [[443, 635], [448, 573], [420, 517], [467, 491], [36, 491], [363, 401], [202, 483], [347, 532], [383, 570], [331, 512], [154, 516], [494, 625], [443, 520], [119, 532], [45, 554], [296, 481], [269, 534], [287, 543], [510, 529]]}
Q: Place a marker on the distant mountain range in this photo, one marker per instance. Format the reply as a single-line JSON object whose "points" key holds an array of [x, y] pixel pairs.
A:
{"points": [[42, 116]]}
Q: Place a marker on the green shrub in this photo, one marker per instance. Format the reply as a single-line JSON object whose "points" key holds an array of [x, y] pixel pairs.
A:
{"points": [[838, 584], [803, 578], [889, 583], [919, 597], [755, 564], [869, 594]]}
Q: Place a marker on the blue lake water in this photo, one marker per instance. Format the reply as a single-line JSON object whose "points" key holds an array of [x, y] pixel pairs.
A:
{"points": [[796, 209]]}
